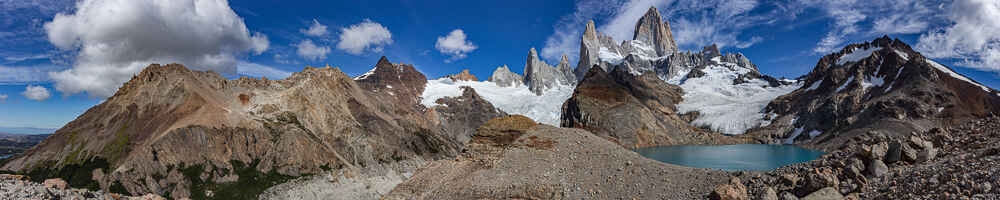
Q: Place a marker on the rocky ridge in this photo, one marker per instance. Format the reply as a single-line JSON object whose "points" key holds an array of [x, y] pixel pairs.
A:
{"points": [[182, 133], [880, 85]]}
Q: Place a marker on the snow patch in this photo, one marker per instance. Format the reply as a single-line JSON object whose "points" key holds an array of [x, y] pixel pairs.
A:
{"points": [[725, 107], [814, 133], [366, 74], [955, 75], [815, 85], [903, 54], [795, 134], [545, 108], [872, 82], [845, 84], [611, 57], [856, 55]]}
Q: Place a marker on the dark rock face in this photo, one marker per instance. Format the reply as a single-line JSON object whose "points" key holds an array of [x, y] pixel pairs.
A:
{"points": [[461, 115], [878, 85], [503, 77], [174, 131], [633, 111]]}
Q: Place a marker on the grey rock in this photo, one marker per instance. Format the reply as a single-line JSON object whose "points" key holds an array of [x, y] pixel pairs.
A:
{"points": [[828, 193], [652, 30], [769, 194], [566, 70], [895, 152], [503, 77], [877, 168], [788, 196], [540, 76]]}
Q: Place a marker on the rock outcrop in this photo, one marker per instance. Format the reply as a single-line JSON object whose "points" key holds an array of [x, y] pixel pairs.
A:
{"points": [[633, 111], [591, 45], [503, 77], [540, 76], [651, 30], [566, 70], [516, 158], [462, 76], [182, 133], [879, 85]]}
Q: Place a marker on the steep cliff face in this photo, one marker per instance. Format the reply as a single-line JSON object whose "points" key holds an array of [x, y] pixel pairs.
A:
{"points": [[177, 132], [540, 76], [634, 111], [877, 85], [503, 77], [650, 29]]}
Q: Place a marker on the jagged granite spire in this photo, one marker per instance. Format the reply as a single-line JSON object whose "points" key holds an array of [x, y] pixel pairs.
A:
{"points": [[566, 70], [589, 47], [503, 77], [540, 76], [652, 30]]}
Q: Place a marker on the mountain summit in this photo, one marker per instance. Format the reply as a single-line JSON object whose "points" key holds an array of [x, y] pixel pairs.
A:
{"points": [[877, 85]]}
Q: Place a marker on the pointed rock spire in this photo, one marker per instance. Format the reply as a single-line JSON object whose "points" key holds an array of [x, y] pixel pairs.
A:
{"points": [[651, 29], [503, 77], [566, 70], [589, 47], [540, 76]]}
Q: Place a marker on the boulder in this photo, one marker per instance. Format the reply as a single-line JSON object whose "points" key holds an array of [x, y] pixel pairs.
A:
{"points": [[735, 190], [56, 183], [877, 168], [855, 167], [768, 194], [909, 153], [817, 180], [895, 152], [927, 154], [788, 196], [828, 193]]}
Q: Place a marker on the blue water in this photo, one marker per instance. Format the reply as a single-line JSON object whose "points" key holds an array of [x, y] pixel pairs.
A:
{"points": [[752, 157], [5, 156]]}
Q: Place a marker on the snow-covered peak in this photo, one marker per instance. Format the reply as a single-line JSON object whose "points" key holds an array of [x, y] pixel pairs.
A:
{"points": [[517, 99], [366, 74]]}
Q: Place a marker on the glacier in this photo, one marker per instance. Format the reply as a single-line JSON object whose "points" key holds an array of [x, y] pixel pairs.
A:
{"points": [[518, 99]]}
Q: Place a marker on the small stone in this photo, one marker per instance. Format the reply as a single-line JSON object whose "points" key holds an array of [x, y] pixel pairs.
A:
{"points": [[788, 196], [769, 194], [877, 169], [828, 193]]}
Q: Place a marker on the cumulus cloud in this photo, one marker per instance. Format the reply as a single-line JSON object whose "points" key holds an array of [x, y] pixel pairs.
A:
{"points": [[454, 44], [973, 35], [258, 70], [114, 39], [364, 36], [37, 93], [854, 19], [315, 30], [309, 50]]}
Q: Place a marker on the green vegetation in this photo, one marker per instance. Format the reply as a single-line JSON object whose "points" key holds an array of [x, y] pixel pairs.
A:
{"points": [[118, 148], [249, 185], [78, 175]]}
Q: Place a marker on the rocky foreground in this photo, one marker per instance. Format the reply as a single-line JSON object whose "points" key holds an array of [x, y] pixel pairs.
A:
{"points": [[516, 158], [959, 162], [19, 187]]}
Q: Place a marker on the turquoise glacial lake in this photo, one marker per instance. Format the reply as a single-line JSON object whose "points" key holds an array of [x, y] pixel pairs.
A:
{"points": [[738, 157]]}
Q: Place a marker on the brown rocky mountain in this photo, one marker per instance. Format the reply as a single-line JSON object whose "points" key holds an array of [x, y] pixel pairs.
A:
{"points": [[634, 111], [182, 133], [463, 76], [877, 85]]}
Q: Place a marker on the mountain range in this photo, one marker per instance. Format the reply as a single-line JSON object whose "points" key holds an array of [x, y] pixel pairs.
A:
{"points": [[180, 133]]}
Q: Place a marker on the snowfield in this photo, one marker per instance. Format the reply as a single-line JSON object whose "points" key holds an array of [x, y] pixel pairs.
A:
{"points": [[724, 107], [955, 75], [545, 108], [856, 55]]}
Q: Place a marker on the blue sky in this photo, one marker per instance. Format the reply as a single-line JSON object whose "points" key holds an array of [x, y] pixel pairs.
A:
{"points": [[54, 68]]}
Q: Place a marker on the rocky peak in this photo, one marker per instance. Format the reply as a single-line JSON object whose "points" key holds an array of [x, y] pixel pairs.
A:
{"points": [[462, 76], [399, 80], [540, 76], [503, 77], [711, 51], [566, 70], [651, 29]]}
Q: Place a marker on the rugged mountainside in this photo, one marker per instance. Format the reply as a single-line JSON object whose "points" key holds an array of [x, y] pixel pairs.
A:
{"points": [[878, 85], [633, 111], [183, 133], [503, 77]]}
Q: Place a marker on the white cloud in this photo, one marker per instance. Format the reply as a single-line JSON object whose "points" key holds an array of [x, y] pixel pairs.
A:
{"points": [[307, 49], [37, 93], [695, 23], [258, 70], [973, 35], [315, 30], [115, 39], [3, 97], [22, 75], [454, 44], [365, 36]]}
